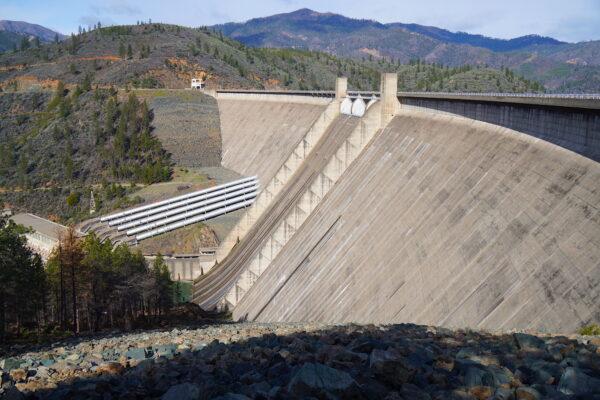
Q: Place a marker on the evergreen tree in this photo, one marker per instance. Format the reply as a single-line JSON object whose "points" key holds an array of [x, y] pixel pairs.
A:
{"points": [[110, 115], [122, 50], [23, 287], [163, 283], [24, 43]]}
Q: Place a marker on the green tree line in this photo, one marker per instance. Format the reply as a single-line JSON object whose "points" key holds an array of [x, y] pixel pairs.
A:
{"points": [[86, 286]]}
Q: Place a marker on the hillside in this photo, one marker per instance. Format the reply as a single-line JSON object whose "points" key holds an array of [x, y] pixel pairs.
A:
{"points": [[156, 56], [167, 56], [559, 66], [56, 148], [27, 29], [489, 43], [253, 32], [14, 33], [10, 41]]}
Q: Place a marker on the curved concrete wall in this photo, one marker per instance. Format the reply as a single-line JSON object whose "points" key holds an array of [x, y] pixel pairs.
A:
{"points": [[259, 133], [576, 129], [448, 221]]}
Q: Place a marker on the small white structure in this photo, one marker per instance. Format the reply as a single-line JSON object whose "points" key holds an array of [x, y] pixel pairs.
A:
{"points": [[346, 106], [358, 107], [197, 83]]}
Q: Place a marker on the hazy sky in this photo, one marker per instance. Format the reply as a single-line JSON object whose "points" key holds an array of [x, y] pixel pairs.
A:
{"points": [[569, 20]]}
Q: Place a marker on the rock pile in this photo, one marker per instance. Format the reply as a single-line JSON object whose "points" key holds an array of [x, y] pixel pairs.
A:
{"points": [[281, 361]]}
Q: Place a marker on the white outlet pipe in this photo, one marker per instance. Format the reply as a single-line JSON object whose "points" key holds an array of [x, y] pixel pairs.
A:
{"points": [[200, 198], [194, 220], [177, 198], [192, 213], [188, 207]]}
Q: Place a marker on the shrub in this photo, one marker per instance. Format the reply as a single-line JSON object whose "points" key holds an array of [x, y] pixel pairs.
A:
{"points": [[590, 330], [73, 199]]}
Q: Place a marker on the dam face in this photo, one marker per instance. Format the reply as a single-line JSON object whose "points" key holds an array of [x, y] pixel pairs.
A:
{"points": [[258, 132], [408, 215]]}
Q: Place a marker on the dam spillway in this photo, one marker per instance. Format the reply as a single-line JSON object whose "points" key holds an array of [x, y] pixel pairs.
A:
{"points": [[437, 219]]}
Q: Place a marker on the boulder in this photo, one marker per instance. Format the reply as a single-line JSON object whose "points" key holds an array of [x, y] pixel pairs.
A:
{"points": [[18, 375], [527, 393], [184, 391], [479, 376], [10, 363], [322, 381], [481, 392], [167, 350], [113, 368], [503, 394], [232, 396], [12, 393], [47, 362], [136, 354], [390, 367], [42, 372], [575, 382], [528, 342]]}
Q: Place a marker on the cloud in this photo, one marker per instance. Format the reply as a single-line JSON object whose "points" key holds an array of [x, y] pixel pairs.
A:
{"points": [[116, 9]]}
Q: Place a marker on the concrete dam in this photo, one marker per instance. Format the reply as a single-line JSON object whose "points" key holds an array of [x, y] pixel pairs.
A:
{"points": [[469, 211]]}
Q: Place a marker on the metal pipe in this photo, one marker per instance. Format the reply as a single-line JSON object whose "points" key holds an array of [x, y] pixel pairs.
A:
{"points": [[194, 220], [177, 198], [188, 207], [177, 204], [188, 214]]}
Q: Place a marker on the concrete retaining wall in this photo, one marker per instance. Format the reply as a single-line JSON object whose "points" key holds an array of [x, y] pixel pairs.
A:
{"points": [[185, 269], [576, 129]]}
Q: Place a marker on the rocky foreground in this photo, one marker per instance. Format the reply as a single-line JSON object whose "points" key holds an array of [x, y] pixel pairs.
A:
{"points": [[280, 361]]}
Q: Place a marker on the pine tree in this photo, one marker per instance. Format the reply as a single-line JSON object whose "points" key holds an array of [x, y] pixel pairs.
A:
{"points": [[120, 144], [25, 43], [122, 50], [163, 284], [110, 115]]}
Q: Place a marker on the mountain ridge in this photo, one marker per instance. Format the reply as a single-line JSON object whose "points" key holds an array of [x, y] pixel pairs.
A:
{"points": [[29, 29], [559, 65], [478, 40]]}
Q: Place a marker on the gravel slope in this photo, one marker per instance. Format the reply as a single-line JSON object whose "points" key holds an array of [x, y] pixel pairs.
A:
{"points": [[280, 361]]}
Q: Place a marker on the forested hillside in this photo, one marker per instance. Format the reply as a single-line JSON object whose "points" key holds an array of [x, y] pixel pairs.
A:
{"points": [[168, 56], [55, 148], [560, 66]]}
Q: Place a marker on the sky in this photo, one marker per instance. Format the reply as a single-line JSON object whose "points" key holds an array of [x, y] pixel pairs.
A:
{"points": [[568, 20]]}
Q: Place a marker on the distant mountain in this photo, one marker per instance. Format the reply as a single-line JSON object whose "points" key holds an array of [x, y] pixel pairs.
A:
{"points": [[489, 43], [27, 29], [292, 29], [9, 40], [560, 66]]}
